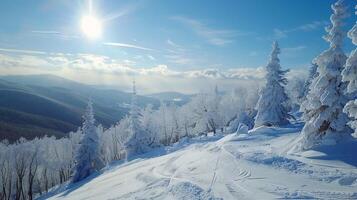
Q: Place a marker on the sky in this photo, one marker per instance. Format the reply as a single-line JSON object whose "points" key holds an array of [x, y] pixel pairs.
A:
{"points": [[176, 45]]}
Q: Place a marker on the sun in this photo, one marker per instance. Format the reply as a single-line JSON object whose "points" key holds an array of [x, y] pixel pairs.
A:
{"points": [[91, 27]]}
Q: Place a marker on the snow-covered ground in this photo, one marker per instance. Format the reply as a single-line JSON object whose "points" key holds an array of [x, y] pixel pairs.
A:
{"points": [[249, 166]]}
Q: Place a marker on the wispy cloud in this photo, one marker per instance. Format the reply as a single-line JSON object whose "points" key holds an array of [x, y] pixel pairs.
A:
{"points": [[125, 10], [217, 37], [151, 57], [21, 51], [283, 33], [171, 43], [177, 54], [253, 53], [293, 49], [54, 33], [117, 44], [278, 34], [46, 32], [311, 26]]}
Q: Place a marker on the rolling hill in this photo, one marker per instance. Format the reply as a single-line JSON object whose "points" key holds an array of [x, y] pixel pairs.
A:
{"points": [[38, 105]]}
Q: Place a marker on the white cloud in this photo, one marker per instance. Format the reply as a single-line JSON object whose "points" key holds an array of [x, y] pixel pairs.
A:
{"points": [[297, 73], [117, 44], [247, 73], [22, 51], [98, 69], [206, 73], [25, 60]]}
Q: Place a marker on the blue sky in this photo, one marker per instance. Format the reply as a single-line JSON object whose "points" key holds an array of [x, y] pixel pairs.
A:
{"points": [[182, 35]]}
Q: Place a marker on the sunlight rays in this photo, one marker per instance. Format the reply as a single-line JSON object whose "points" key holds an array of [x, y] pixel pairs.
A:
{"points": [[90, 25]]}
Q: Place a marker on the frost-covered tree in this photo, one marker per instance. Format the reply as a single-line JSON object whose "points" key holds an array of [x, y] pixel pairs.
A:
{"points": [[272, 102], [323, 107], [237, 107], [303, 91], [204, 108], [312, 74], [149, 126], [349, 75], [140, 140], [295, 92], [186, 121], [88, 159], [114, 140], [214, 119]]}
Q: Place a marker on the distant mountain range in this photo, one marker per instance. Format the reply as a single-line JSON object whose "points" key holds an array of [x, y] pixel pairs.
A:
{"points": [[38, 105]]}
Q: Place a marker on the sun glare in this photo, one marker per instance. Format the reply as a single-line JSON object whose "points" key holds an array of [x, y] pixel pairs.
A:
{"points": [[91, 27]]}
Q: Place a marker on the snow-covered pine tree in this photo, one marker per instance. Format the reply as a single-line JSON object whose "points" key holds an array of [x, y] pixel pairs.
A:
{"points": [[323, 107], [88, 158], [140, 141], [349, 75], [312, 74], [271, 105]]}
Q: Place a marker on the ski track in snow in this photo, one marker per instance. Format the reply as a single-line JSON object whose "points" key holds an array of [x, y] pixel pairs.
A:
{"points": [[253, 166]]}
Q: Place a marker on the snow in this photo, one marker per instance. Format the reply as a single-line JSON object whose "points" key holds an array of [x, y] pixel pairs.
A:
{"points": [[255, 165]]}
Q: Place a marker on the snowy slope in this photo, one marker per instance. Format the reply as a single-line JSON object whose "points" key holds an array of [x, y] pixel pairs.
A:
{"points": [[254, 166]]}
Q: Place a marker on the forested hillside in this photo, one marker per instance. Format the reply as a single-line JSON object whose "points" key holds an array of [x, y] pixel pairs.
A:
{"points": [[38, 105]]}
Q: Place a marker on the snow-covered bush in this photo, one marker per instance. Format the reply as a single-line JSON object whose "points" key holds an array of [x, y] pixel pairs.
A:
{"points": [[272, 104], [323, 107]]}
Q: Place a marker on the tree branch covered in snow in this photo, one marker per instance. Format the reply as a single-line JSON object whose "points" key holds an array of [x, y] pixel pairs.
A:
{"points": [[349, 75]]}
